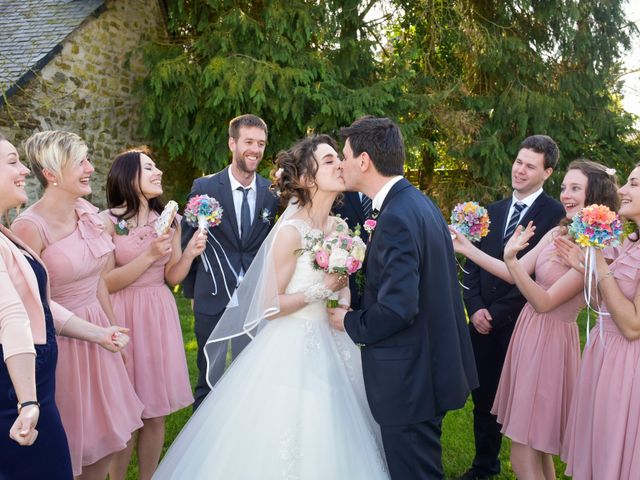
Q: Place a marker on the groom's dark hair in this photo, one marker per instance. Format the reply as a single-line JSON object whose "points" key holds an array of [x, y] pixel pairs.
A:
{"points": [[381, 139]]}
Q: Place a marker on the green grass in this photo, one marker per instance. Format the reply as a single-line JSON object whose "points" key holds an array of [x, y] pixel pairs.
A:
{"points": [[457, 431]]}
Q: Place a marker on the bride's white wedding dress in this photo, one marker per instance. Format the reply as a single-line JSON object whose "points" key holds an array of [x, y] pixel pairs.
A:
{"points": [[291, 406]]}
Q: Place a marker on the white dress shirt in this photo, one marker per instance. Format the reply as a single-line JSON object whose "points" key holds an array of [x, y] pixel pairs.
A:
{"points": [[378, 200], [528, 201], [237, 199]]}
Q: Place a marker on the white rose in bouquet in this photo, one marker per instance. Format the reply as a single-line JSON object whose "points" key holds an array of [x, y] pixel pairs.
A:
{"points": [[338, 259]]}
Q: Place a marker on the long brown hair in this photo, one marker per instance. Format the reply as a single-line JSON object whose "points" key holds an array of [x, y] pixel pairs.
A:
{"points": [[123, 182]]}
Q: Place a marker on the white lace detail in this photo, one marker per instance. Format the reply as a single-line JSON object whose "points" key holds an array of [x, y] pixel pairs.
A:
{"points": [[291, 453]]}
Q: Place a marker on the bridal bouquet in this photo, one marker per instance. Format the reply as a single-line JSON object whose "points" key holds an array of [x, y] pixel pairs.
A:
{"points": [[203, 211], [340, 252], [471, 220], [596, 226]]}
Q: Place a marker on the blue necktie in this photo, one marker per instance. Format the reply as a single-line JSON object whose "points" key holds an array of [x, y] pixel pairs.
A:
{"points": [[245, 214], [366, 206], [513, 221]]}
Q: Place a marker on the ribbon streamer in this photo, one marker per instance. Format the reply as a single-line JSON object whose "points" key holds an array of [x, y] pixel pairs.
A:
{"points": [[591, 277], [208, 269]]}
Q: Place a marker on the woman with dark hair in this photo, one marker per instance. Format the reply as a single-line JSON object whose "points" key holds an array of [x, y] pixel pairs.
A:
{"points": [[541, 365], [603, 431], [145, 263], [97, 403], [293, 404]]}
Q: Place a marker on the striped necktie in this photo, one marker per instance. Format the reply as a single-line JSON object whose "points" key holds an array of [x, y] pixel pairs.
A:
{"points": [[366, 206], [513, 221]]}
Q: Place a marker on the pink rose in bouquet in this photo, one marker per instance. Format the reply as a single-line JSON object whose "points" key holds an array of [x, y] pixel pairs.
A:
{"points": [[341, 252]]}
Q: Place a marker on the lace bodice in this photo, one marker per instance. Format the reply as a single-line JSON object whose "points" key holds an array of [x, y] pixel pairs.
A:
{"points": [[304, 275]]}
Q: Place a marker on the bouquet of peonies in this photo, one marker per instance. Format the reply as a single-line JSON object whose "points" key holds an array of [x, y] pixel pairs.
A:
{"points": [[596, 226], [471, 220], [341, 252], [203, 211]]}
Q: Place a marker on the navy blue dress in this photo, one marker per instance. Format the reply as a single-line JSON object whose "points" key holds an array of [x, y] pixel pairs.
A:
{"points": [[48, 457]]}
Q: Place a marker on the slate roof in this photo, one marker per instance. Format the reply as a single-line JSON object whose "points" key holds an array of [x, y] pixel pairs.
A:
{"points": [[32, 32]]}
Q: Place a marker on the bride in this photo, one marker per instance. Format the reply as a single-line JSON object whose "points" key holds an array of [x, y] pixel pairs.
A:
{"points": [[292, 405]]}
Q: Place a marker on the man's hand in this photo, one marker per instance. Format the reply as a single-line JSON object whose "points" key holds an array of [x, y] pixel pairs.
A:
{"points": [[481, 321], [336, 318]]}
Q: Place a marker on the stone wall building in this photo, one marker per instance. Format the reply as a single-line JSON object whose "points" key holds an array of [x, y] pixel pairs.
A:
{"points": [[74, 65]]}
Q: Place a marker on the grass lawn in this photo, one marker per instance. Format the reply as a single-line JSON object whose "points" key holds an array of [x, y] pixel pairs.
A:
{"points": [[457, 436]]}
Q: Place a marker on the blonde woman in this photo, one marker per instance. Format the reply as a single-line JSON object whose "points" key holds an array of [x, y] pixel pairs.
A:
{"points": [[97, 403]]}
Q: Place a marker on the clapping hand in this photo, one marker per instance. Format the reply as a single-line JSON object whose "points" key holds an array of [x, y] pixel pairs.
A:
{"points": [[114, 338], [570, 253], [23, 430], [518, 241]]}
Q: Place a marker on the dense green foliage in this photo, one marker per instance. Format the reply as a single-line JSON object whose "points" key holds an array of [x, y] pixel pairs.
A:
{"points": [[467, 80]]}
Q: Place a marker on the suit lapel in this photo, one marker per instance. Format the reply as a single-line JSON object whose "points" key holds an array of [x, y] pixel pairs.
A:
{"points": [[534, 209], [226, 199], [356, 205], [504, 214], [262, 185]]}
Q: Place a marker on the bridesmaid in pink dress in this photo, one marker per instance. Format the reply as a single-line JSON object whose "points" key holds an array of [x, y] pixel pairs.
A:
{"points": [[97, 403], [541, 365], [603, 433], [144, 264]]}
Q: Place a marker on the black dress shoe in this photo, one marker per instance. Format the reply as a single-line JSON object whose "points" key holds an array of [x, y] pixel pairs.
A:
{"points": [[472, 474]]}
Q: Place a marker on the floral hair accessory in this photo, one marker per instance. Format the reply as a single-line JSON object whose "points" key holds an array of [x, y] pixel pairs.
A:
{"points": [[278, 173], [203, 211], [610, 171], [470, 220]]}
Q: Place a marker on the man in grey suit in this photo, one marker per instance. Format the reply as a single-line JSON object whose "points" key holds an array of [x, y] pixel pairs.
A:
{"points": [[248, 211]]}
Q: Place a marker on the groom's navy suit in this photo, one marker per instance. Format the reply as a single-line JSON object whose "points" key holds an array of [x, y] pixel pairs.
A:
{"points": [[417, 358], [223, 243], [504, 303]]}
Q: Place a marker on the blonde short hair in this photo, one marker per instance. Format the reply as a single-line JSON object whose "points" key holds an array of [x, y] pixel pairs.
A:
{"points": [[53, 150]]}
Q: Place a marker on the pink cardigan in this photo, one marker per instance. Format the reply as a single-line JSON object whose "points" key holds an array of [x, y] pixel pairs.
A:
{"points": [[22, 321]]}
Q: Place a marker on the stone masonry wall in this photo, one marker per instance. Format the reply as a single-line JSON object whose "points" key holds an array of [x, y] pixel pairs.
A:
{"points": [[89, 88]]}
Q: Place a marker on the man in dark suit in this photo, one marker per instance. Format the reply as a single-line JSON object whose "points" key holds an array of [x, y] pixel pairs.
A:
{"points": [[494, 305], [417, 358], [248, 211], [354, 208]]}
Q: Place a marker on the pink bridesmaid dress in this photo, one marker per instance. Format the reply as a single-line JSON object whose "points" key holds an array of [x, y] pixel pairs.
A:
{"points": [[98, 405], [156, 361], [540, 370], [603, 435]]}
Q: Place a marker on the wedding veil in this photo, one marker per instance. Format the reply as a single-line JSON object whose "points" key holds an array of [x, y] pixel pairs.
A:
{"points": [[255, 299]]}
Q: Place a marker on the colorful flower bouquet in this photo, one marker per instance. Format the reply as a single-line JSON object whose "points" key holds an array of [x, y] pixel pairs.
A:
{"points": [[203, 211], [596, 226], [340, 252], [471, 220]]}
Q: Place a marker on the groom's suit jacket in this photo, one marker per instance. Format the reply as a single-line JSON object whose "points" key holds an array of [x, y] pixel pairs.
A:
{"points": [[417, 359], [224, 241]]}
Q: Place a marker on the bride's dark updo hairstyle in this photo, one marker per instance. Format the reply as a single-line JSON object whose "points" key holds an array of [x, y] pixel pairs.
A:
{"points": [[293, 164]]}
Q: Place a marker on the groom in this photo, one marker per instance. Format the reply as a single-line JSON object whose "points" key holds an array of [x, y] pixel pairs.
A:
{"points": [[417, 359]]}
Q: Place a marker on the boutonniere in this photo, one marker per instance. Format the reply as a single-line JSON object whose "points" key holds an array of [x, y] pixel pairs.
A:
{"points": [[265, 215], [370, 225], [122, 227]]}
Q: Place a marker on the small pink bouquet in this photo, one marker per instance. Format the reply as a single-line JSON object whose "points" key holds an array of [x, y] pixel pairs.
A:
{"points": [[203, 211], [340, 252], [596, 226], [471, 220]]}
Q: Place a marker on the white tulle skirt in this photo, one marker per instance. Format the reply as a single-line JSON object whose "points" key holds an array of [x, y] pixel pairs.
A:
{"points": [[292, 406]]}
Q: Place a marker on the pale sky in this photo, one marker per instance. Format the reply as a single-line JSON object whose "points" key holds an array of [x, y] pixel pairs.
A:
{"points": [[631, 89]]}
